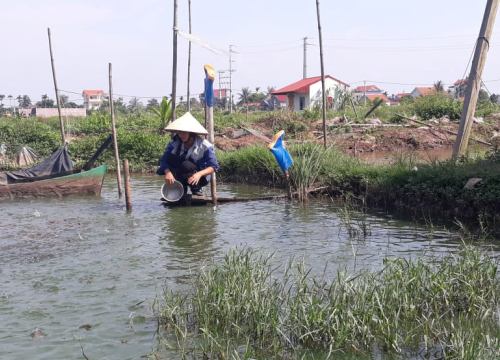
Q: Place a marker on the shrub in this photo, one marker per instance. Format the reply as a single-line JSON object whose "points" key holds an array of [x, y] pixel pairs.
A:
{"points": [[16, 133], [436, 106]]}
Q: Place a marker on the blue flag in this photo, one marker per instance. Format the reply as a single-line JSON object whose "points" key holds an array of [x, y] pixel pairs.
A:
{"points": [[280, 153]]}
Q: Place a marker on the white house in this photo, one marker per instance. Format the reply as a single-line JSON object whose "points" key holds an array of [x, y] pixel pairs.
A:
{"points": [[306, 93], [92, 99]]}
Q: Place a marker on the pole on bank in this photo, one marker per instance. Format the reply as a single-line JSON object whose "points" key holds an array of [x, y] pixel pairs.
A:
{"points": [[474, 79], [209, 120], [61, 123], [113, 131]]}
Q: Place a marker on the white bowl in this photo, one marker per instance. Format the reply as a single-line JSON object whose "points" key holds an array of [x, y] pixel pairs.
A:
{"points": [[172, 192]]}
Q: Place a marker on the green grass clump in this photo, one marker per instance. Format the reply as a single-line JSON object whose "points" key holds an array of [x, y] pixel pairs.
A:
{"points": [[244, 307], [253, 164]]}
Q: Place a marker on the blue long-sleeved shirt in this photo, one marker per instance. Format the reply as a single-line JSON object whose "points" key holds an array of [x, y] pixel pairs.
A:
{"points": [[200, 153]]}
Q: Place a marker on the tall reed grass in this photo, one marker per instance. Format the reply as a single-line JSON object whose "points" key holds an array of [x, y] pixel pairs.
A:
{"points": [[245, 307]]}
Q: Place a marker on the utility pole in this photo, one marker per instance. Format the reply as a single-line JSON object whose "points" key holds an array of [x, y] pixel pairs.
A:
{"points": [[174, 61], [223, 84], [364, 92], [322, 74], [304, 71], [474, 80], [61, 123], [189, 60], [220, 86], [231, 51]]}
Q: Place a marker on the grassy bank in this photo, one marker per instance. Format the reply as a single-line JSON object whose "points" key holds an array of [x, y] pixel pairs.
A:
{"points": [[421, 191], [246, 308]]}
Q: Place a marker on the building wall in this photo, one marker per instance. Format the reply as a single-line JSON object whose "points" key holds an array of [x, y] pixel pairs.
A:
{"points": [[52, 112], [315, 95]]}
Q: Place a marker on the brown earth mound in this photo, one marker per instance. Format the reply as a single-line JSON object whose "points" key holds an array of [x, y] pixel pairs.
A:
{"points": [[363, 138]]}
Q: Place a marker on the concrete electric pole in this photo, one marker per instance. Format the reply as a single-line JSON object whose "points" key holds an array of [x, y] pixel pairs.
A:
{"points": [[474, 80]]}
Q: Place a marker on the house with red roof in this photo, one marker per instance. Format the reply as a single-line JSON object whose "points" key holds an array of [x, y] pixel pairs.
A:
{"points": [[307, 93], [373, 97], [364, 92], [423, 91], [92, 99]]}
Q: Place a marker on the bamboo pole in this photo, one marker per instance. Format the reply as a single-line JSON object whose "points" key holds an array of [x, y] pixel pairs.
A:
{"points": [[323, 100], [174, 61], [113, 131], [128, 189], [189, 62], [61, 123], [474, 80]]}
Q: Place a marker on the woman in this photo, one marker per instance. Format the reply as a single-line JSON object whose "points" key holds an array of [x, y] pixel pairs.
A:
{"points": [[188, 157]]}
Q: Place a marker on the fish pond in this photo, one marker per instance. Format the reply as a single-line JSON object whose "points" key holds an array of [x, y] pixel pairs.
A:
{"points": [[80, 277]]}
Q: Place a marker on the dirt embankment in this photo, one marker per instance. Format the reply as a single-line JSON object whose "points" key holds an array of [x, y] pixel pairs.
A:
{"points": [[373, 136]]}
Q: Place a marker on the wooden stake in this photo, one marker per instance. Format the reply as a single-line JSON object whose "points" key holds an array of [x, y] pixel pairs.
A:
{"points": [[128, 189], [323, 100], [211, 138], [174, 61], [474, 80], [288, 185], [113, 130], [209, 123], [61, 123]]}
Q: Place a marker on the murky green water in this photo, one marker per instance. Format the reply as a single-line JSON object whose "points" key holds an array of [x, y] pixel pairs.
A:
{"points": [[86, 274]]}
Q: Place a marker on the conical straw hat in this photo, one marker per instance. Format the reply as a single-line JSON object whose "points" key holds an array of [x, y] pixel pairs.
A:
{"points": [[187, 123]]}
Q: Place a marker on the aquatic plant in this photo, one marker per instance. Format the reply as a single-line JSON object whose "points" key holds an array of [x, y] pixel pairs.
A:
{"points": [[245, 307], [308, 159]]}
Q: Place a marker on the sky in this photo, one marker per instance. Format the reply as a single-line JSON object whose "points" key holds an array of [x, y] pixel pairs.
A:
{"points": [[393, 44]]}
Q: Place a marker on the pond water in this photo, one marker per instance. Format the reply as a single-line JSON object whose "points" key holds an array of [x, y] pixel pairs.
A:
{"points": [[81, 273]]}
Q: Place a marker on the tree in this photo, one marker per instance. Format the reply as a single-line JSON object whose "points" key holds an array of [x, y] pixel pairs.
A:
{"points": [[483, 96], [119, 105], [1, 99], [134, 105], [46, 102], [164, 112], [152, 103], [24, 101], [63, 100], [494, 98], [244, 94], [438, 86]]}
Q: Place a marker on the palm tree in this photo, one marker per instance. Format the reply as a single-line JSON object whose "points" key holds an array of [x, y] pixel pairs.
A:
{"points": [[164, 113], [244, 94], [438, 86]]}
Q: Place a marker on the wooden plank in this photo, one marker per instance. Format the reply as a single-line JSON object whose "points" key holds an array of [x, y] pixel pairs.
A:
{"points": [[443, 130], [257, 134], [195, 200]]}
